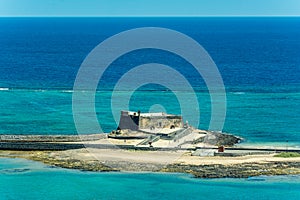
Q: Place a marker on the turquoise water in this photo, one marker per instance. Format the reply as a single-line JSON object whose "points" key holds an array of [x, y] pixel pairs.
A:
{"points": [[257, 117], [22, 179]]}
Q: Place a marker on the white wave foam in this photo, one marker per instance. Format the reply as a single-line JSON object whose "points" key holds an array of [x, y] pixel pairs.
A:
{"points": [[67, 91], [4, 89], [39, 90], [239, 93]]}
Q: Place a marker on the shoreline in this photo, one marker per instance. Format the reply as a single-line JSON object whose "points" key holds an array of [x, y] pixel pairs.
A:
{"points": [[130, 161]]}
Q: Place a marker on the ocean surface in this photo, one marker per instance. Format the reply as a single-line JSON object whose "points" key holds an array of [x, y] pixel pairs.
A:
{"points": [[22, 179], [258, 59]]}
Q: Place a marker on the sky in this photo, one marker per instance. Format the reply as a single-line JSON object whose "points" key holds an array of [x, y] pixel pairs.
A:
{"points": [[149, 8]]}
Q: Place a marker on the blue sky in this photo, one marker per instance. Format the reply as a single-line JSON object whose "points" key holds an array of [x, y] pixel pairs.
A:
{"points": [[149, 7]]}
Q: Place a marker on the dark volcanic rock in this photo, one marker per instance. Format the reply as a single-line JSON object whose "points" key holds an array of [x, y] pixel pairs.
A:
{"points": [[220, 139]]}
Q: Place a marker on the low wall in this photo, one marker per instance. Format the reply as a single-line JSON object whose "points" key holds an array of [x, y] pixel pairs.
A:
{"points": [[51, 138], [29, 146]]}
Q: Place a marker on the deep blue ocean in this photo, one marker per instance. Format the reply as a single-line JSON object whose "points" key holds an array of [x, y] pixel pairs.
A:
{"points": [[259, 61]]}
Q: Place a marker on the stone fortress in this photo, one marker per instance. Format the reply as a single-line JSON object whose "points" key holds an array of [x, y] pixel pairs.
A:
{"points": [[149, 121], [164, 131], [157, 129]]}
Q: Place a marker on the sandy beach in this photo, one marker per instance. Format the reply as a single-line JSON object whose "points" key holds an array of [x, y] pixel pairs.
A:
{"points": [[92, 159]]}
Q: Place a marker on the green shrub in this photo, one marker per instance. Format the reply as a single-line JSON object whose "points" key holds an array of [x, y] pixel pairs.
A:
{"points": [[288, 155]]}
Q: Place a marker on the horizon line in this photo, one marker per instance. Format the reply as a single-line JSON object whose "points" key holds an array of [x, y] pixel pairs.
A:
{"points": [[140, 16]]}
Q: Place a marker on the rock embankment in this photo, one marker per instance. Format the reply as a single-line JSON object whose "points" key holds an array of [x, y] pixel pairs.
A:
{"points": [[244, 170]]}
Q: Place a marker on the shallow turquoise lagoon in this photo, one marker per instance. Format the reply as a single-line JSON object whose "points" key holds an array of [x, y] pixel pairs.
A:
{"points": [[22, 179]]}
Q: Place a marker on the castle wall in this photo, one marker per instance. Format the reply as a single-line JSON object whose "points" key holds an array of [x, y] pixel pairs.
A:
{"points": [[160, 122]]}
